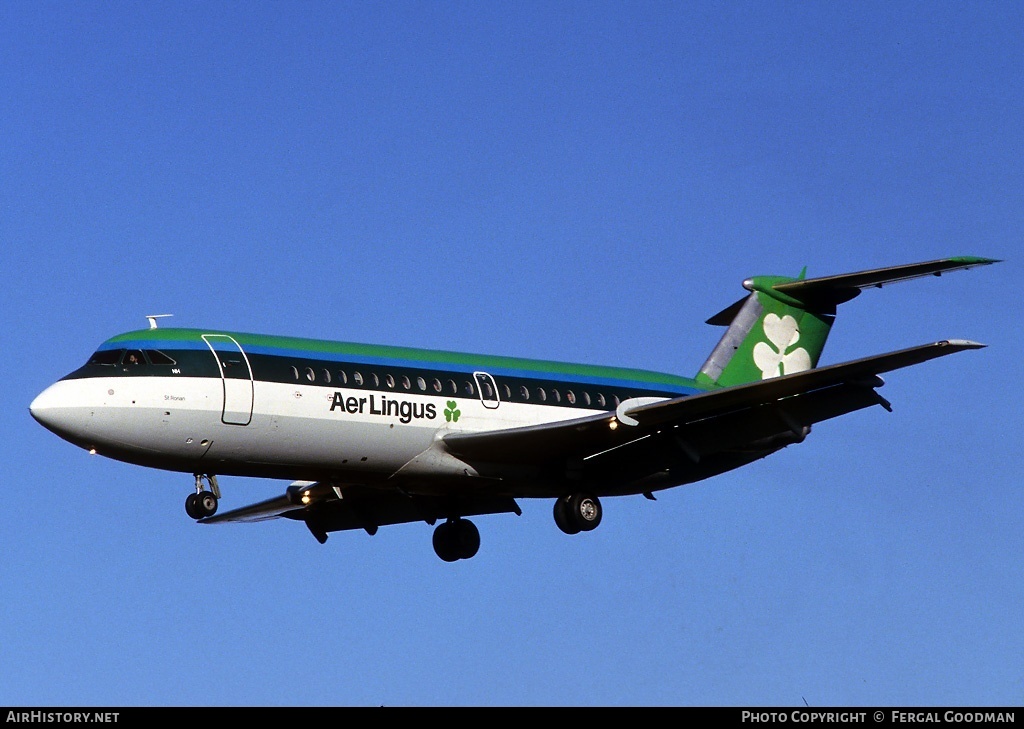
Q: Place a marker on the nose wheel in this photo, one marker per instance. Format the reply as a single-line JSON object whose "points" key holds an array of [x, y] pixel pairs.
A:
{"points": [[203, 503]]}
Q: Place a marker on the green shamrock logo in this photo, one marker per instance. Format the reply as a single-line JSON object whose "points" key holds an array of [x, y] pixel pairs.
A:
{"points": [[452, 412]]}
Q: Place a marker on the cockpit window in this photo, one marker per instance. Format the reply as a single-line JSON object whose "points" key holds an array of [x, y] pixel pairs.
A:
{"points": [[158, 358], [133, 358], [106, 357]]}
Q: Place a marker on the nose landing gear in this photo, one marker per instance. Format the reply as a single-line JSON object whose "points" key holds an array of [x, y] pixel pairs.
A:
{"points": [[203, 503]]}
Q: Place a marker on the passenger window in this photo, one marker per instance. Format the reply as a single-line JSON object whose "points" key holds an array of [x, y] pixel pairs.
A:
{"points": [[295, 372], [310, 374], [437, 385], [389, 380], [541, 394], [357, 378], [327, 376], [615, 398], [524, 392], [106, 357], [421, 383], [570, 396], [470, 390], [155, 356], [555, 396], [376, 380], [405, 382], [508, 392], [600, 399], [342, 377], [586, 397], [453, 387]]}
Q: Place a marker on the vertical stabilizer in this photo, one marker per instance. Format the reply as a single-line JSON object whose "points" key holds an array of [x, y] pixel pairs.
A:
{"points": [[769, 334]]}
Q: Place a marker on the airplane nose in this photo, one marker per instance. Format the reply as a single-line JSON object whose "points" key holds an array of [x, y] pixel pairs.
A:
{"points": [[45, 408], [53, 411]]}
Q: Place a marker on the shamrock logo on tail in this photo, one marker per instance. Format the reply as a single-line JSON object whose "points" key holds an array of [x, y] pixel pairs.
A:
{"points": [[452, 412], [773, 360]]}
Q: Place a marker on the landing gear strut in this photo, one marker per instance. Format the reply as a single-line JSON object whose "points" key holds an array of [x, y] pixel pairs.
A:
{"points": [[203, 503], [456, 539], [577, 513]]}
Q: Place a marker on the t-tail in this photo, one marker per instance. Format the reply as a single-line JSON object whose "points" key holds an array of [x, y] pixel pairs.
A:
{"points": [[781, 327]]}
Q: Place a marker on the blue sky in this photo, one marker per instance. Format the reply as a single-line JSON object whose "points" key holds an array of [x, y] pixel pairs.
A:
{"points": [[574, 181]]}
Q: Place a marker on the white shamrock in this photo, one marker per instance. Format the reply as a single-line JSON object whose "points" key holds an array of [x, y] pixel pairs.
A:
{"points": [[783, 333]]}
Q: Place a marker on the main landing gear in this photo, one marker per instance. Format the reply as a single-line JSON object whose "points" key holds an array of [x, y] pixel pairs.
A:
{"points": [[456, 539], [577, 513], [203, 503]]}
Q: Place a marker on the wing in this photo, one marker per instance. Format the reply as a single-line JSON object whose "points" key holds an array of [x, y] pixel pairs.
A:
{"points": [[326, 507], [725, 417]]}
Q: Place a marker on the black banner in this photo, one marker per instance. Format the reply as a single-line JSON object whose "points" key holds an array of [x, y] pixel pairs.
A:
{"points": [[804, 716]]}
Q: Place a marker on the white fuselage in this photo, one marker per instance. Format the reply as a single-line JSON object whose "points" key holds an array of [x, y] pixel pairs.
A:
{"points": [[293, 430]]}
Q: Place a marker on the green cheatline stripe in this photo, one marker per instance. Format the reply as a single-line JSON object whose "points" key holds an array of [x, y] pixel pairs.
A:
{"points": [[298, 345]]}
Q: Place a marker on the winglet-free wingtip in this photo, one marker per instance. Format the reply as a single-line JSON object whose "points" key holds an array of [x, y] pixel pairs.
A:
{"points": [[976, 260], [962, 344]]}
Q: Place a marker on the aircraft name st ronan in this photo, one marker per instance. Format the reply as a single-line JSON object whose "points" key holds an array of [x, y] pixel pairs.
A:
{"points": [[404, 410]]}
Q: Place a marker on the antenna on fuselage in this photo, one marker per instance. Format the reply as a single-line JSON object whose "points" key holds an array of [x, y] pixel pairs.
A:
{"points": [[153, 317]]}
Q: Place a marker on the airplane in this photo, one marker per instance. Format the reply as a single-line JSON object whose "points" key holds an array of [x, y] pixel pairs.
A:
{"points": [[371, 435]]}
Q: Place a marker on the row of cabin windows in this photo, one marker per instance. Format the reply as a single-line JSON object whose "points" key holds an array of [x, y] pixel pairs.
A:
{"points": [[135, 357], [450, 387]]}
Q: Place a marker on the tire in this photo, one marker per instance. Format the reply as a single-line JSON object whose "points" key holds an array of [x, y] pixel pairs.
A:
{"points": [[445, 543], [563, 517], [207, 504], [192, 507], [468, 538], [585, 510]]}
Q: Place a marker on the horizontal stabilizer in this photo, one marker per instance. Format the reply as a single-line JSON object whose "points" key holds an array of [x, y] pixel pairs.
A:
{"points": [[826, 292], [832, 290], [725, 316]]}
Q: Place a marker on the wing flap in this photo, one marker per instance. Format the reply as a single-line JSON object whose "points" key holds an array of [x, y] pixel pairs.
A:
{"points": [[791, 417]]}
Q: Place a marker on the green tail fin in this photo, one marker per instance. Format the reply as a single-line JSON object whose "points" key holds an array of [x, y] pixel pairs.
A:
{"points": [[781, 326], [769, 334]]}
